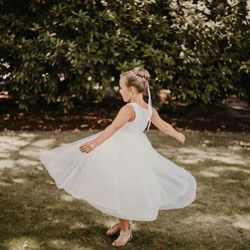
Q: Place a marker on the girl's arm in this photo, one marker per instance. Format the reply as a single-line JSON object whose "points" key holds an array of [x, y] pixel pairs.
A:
{"points": [[122, 117], [165, 127]]}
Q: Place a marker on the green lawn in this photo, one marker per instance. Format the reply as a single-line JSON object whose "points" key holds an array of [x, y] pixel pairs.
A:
{"points": [[35, 214]]}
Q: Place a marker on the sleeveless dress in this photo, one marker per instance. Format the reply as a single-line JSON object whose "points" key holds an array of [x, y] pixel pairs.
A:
{"points": [[124, 176]]}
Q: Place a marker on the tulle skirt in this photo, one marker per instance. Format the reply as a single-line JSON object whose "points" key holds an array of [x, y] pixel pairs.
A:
{"points": [[123, 177]]}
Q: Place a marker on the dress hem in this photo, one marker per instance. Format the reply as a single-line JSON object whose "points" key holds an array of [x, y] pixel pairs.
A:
{"points": [[100, 208]]}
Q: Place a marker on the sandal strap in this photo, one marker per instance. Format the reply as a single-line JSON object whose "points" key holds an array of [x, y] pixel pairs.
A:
{"points": [[125, 233], [114, 228]]}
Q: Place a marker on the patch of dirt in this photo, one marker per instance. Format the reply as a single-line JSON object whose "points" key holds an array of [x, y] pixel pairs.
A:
{"points": [[229, 115]]}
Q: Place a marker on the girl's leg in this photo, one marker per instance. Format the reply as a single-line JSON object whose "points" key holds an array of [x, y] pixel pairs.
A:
{"points": [[124, 224]]}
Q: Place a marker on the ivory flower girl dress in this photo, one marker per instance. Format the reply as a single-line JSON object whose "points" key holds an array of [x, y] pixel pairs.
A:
{"points": [[124, 176]]}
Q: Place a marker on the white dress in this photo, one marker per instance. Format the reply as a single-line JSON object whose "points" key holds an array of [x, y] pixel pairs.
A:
{"points": [[124, 176]]}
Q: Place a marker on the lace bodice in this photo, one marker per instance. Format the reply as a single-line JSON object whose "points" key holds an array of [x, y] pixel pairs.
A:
{"points": [[140, 122]]}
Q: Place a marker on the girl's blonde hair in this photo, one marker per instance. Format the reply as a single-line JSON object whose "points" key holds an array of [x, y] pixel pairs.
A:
{"points": [[137, 77]]}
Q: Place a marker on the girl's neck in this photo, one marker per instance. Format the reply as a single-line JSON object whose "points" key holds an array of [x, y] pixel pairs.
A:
{"points": [[138, 100]]}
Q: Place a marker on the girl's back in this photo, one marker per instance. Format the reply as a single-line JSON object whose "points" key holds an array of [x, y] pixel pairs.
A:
{"points": [[140, 122]]}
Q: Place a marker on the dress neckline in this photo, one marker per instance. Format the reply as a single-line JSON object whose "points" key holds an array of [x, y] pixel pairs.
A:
{"points": [[140, 105]]}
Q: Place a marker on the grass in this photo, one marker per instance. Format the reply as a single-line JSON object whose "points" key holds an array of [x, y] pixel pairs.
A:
{"points": [[34, 214]]}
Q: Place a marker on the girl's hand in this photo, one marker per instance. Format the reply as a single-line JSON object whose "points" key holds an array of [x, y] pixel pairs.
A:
{"points": [[88, 146], [180, 137]]}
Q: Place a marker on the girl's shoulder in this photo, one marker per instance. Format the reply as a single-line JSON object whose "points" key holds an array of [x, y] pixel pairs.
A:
{"points": [[127, 108], [128, 104]]}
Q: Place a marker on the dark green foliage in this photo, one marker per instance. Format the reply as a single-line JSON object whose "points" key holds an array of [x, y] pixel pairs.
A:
{"points": [[58, 51]]}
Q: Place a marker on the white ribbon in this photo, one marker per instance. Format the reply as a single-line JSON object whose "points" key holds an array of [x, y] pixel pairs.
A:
{"points": [[149, 107]]}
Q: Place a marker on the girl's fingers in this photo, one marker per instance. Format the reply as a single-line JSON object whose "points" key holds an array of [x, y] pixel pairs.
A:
{"points": [[85, 148], [82, 148]]}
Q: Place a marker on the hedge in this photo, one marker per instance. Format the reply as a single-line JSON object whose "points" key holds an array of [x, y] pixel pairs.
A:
{"points": [[74, 51]]}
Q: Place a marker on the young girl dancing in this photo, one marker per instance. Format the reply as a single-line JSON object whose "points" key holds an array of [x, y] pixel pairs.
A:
{"points": [[117, 170]]}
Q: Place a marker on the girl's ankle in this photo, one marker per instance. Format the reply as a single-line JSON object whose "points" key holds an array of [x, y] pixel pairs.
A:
{"points": [[125, 231]]}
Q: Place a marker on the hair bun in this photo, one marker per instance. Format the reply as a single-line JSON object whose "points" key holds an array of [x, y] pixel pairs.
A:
{"points": [[144, 75], [141, 72]]}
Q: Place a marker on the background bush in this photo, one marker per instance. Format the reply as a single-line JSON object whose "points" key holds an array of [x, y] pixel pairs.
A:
{"points": [[62, 51]]}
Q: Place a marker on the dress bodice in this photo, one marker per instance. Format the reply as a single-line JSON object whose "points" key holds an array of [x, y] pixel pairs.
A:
{"points": [[140, 122]]}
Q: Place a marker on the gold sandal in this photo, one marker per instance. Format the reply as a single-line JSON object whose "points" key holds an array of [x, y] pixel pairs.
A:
{"points": [[115, 229], [123, 238]]}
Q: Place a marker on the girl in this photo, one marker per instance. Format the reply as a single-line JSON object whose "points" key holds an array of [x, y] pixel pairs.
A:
{"points": [[117, 170]]}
